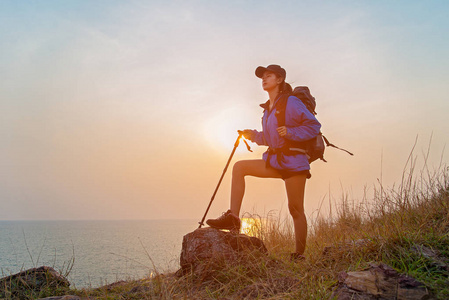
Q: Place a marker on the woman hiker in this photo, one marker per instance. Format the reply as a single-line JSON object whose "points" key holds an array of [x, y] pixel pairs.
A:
{"points": [[279, 161]]}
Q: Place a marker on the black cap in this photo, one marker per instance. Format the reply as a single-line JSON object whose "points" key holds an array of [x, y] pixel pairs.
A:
{"points": [[272, 68]]}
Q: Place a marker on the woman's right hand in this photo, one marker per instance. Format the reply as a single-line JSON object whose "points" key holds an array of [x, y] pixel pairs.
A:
{"points": [[247, 133]]}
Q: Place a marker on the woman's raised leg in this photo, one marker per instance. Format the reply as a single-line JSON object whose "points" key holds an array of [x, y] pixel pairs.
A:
{"points": [[295, 187], [230, 220], [242, 168]]}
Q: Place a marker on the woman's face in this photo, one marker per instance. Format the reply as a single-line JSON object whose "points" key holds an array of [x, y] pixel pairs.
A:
{"points": [[270, 81]]}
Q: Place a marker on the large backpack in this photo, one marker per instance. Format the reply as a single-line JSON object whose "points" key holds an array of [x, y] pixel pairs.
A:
{"points": [[314, 147]]}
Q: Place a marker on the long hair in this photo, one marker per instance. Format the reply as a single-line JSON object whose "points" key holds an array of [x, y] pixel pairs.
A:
{"points": [[284, 87]]}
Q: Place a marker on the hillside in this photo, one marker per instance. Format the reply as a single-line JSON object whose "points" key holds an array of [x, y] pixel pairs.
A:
{"points": [[406, 227]]}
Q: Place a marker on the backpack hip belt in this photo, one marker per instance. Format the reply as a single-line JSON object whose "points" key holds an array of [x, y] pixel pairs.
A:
{"points": [[280, 152], [287, 150]]}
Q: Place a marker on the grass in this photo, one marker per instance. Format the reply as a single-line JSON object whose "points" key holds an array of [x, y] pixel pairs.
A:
{"points": [[406, 227], [33, 287], [399, 226]]}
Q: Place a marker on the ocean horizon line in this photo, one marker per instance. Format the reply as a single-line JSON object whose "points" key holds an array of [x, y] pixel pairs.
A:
{"points": [[94, 220]]}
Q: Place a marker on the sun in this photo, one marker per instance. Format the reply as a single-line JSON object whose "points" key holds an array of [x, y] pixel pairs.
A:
{"points": [[251, 226], [221, 129]]}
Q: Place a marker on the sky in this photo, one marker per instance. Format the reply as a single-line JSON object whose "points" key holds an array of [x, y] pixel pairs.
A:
{"points": [[129, 109]]}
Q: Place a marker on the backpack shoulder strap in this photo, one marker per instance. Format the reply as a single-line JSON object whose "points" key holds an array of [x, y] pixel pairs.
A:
{"points": [[281, 107]]}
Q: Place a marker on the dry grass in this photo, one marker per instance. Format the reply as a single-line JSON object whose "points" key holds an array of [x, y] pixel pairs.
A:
{"points": [[395, 226]]}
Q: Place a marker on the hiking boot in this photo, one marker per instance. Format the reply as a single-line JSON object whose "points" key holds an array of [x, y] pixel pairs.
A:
{"points": [[227, 221], [296, 257]]}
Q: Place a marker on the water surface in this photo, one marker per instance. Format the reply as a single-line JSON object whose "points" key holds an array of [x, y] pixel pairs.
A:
{"points": [[102, 251]]}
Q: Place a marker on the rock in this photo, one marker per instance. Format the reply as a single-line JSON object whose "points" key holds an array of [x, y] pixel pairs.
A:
{"points": [[436, 259], [208, 245], [34, 280], [379, 281]]}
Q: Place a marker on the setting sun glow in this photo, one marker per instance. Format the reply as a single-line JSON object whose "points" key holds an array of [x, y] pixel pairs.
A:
{"points": [[251, 226], [221, 129]]}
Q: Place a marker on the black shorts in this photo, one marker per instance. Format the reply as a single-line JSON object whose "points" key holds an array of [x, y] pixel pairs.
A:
{"points": [[287, 174]]}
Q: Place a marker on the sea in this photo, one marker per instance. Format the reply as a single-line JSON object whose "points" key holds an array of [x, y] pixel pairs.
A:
{"points": [[93, 253]]}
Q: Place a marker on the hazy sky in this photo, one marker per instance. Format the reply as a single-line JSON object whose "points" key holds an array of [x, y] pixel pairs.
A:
{"points": [[129, 109]]}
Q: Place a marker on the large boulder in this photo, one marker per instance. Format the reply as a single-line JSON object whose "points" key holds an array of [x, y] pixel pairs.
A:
{"points": [[32, 280], [204, 247], [379, 281]]}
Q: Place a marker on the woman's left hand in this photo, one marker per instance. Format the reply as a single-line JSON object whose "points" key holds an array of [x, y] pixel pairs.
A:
{"points": [[282, 131]]}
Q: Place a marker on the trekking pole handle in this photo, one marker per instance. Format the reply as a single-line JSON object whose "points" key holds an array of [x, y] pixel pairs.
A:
{"points": [[237, 142], [246, 143]]}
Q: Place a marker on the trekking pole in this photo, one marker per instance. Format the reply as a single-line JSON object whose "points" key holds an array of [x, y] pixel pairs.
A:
{"points": [[222, 175]]}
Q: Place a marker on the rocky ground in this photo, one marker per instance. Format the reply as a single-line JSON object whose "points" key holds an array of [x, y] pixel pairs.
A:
{"points": [[207, 252]]}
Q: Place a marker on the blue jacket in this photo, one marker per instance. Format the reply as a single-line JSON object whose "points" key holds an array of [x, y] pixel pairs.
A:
{"points": [[301, 126]]}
